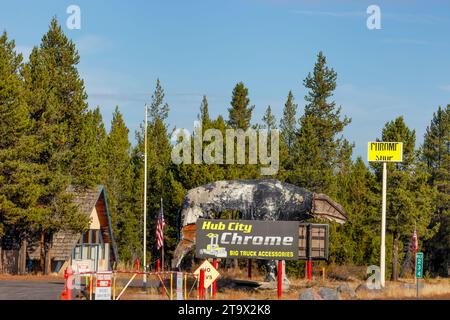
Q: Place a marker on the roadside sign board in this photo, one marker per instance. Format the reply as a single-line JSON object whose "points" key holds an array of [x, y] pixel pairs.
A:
{"points": [[419, 265], [103, 286], [385, 151], [80, 266], [246, 239], [313, 241], [211, 274]]}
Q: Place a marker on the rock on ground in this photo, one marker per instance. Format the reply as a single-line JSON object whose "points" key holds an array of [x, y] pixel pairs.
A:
{"points": [[329, 293], [309, 294], [346, 290]]}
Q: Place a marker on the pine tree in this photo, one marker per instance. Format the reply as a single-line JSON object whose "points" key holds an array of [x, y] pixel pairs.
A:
{"points": [[19, 175], [288, 123], [158, 107], [161, 181], [269, 119], [119, 180], [319, 150], [436, 155], [57, 108], [357, 241], [204, 113], [240, 114], [409, 197], [89, 153]]}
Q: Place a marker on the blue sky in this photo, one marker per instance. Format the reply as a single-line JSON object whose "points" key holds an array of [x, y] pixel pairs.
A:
{"points": [[206, 47]]}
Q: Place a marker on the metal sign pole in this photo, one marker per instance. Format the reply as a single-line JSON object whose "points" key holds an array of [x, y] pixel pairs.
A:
{"points": [[383, 228], [417, 288]]}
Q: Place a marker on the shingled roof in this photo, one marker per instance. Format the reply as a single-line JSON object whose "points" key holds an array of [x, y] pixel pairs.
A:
{"points": [[64, 241]]}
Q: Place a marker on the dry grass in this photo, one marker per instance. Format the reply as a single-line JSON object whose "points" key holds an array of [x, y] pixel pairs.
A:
{"points": [[406, 289]]}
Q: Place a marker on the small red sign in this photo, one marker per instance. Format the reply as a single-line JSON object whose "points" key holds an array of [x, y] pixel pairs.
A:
{"points": [[103, 283]]}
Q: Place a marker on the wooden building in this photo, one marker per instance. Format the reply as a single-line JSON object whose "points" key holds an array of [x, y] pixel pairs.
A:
{"points": [[96, 247]]}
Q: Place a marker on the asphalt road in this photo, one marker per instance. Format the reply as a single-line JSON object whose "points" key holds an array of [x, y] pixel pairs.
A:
{"points": [[31, 290]]}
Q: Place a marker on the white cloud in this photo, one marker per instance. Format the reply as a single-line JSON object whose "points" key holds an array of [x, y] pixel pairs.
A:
{"points": [[445, 87]]}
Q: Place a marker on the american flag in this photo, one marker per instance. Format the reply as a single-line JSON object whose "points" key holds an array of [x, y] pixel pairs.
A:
{"points": [[160, 228], [415, 242]]}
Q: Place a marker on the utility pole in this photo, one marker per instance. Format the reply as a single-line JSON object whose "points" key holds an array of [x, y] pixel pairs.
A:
{"points": [[145, 202]]}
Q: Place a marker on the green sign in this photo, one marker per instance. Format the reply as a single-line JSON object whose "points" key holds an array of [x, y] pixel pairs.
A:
{"points": [[419, 265]]}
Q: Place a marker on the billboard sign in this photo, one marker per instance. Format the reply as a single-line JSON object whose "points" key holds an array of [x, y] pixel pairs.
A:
{"points": [[247, 239]]}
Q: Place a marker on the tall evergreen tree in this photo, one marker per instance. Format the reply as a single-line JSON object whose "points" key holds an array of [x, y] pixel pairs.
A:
{"points": [[158, 107], [269, 119], [240, 114], [319, 144], [89, 153], [288, 122], [161, 181], [19, 174], [57, 109], [436, 155], [119, 180], [204, 113]]}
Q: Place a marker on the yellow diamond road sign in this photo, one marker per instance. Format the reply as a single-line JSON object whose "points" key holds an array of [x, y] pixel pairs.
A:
{"points": [[385, 151], [211, 273]]}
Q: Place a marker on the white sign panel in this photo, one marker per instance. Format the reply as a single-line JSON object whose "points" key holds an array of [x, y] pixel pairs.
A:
{"points": [[103, 286], [81, 266]]}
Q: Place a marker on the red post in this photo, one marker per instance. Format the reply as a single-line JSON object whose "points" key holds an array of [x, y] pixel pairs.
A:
{"points": [[157, 265], [201, 285], [214, 288], [309, 263], [280, 278], [67, 293], [137, 264]]}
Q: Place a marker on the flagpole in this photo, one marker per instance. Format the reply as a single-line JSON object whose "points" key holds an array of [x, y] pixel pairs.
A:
{"points": [[145, 202]]}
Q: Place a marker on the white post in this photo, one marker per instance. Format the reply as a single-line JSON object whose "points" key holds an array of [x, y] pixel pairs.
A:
{"points": [[145, 201], [383, 228]]}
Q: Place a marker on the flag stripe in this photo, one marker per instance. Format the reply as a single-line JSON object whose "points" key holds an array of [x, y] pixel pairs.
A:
{"points": [[160, 229]]}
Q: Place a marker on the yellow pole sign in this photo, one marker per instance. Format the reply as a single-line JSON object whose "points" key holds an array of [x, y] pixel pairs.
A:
{"points": [[385, 151]]}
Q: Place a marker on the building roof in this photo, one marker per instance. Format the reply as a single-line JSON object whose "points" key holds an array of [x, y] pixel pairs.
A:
{"points": [[64, 241]]}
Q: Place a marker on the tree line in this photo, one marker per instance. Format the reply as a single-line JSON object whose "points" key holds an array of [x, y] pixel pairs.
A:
{"points": [[51, 139]]}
